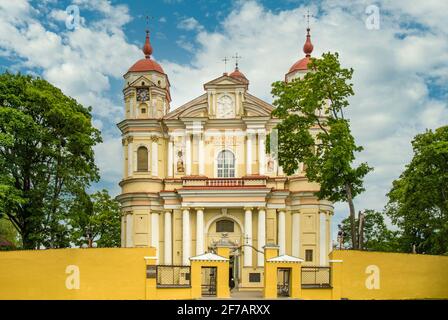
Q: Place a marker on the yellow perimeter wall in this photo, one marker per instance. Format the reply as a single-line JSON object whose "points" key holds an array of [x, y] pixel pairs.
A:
{"points": [[120, 273], [115, 273], [377, 275]]}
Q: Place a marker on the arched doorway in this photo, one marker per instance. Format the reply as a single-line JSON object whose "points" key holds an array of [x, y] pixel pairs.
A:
{"points": [[229, 229]]}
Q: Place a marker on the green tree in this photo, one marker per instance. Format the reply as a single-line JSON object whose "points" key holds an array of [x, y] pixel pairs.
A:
{"points": [[418, 200], [96, 219], [46, 153], [315, 131], [9, 237], [376, 235]]}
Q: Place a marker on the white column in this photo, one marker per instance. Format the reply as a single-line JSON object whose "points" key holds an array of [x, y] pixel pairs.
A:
{"points": [[201, 155], [186, 238], [170, 158], [167, 239], [295, 234], [130, 160], [188, 154], [261, 235], [249, 154], [261, 152], [155, 232], [281, 232], [154, 158], [132, 106], [199, 231], [248, 237], [323, 239], [129, 230]]}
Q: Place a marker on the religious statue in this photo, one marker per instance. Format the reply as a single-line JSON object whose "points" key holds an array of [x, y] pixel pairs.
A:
{"points": [[270, 164], [180, 162]]}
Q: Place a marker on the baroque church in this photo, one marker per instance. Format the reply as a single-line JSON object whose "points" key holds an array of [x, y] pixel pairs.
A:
{"points": [[199, 173]]}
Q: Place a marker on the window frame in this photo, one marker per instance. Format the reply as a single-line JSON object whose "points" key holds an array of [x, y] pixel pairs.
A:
{"points": [[223, 168], [141, 162]]}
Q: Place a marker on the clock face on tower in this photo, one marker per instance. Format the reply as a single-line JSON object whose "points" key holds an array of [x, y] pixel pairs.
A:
{"points": [[226, 108], [142, 94]]}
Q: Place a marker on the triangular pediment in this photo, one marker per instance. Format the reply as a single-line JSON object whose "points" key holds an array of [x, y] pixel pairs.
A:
{"points": [[286, 258], [224, 80], [138, 82], [209, 257], [255, 107], [194, 108]]}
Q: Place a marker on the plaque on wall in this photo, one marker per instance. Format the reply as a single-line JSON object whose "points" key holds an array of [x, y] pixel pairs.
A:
{"points": [[254, 277], [151, 272]]}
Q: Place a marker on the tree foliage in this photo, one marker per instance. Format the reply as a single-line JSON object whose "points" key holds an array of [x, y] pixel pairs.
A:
{"points": [[46, 155], [418, 200], [314, 131], [95, 219], [9, 237], [377, 236]]}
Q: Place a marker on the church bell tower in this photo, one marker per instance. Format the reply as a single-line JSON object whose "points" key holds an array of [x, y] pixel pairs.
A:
{"points": [[147, 100]]}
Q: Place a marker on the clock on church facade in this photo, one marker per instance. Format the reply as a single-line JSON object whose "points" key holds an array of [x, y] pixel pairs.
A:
{"points": [[195, 173]]}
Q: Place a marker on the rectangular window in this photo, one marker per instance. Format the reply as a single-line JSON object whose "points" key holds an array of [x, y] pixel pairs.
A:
{"points": [[254, 277], [224, 226], [309, 255]]}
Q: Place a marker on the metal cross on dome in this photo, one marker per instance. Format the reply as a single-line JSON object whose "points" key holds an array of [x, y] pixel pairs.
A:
{"points": [[225, 63], [147, 22], [308, 16], [236, 57]]}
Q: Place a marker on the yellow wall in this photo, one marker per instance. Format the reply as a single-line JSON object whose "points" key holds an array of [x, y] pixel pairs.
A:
{"points": [[115, 273], [119, 273], [392, 275]]}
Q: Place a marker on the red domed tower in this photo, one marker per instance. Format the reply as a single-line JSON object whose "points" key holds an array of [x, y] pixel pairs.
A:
{"points": [[301, 66], [237, 74], [147, 88]]}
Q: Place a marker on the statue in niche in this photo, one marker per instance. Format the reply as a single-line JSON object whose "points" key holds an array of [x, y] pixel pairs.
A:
{"points": [[180, 162], [270, 163]]}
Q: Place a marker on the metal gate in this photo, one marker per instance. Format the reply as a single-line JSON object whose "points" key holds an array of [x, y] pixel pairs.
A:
{"points": [[208, 283], [283, 281]]}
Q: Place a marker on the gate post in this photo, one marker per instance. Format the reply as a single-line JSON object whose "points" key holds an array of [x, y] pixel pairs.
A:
{"points": [[270, 271], [150, 276], [223, 289], [195, 278]]}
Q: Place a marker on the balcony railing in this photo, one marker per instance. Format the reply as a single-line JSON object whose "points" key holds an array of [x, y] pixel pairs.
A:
{"points": [[256, 181]]}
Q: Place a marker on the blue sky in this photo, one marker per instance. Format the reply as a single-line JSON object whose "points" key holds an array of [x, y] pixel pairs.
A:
{"points": [[401, 67]]}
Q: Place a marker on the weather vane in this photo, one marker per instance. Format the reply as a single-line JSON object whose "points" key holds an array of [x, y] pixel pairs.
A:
{"points": [[225, 64], [236, 57]]}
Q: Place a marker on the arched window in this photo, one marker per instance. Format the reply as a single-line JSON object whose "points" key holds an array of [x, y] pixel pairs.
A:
{"points": [[226, 164], [142, 159]]}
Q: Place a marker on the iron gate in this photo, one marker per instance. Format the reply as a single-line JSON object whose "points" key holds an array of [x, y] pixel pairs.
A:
{"points": [[283, 281], [208, 282]]}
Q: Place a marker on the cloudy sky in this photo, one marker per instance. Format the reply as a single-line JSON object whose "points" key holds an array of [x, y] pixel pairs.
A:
{"points": [[401, 64]]}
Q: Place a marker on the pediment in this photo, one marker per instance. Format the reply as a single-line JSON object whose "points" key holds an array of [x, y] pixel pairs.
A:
{"points": [[194, 108], [255, 107], [137, 82], [224, 80]]}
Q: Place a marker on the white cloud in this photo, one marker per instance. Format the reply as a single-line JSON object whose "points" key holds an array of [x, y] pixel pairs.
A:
{"points": [[392, 65], [190, 24], [80, 62]]}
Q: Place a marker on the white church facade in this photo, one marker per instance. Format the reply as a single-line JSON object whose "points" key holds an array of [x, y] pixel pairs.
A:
{"points": [[200, 172]]}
